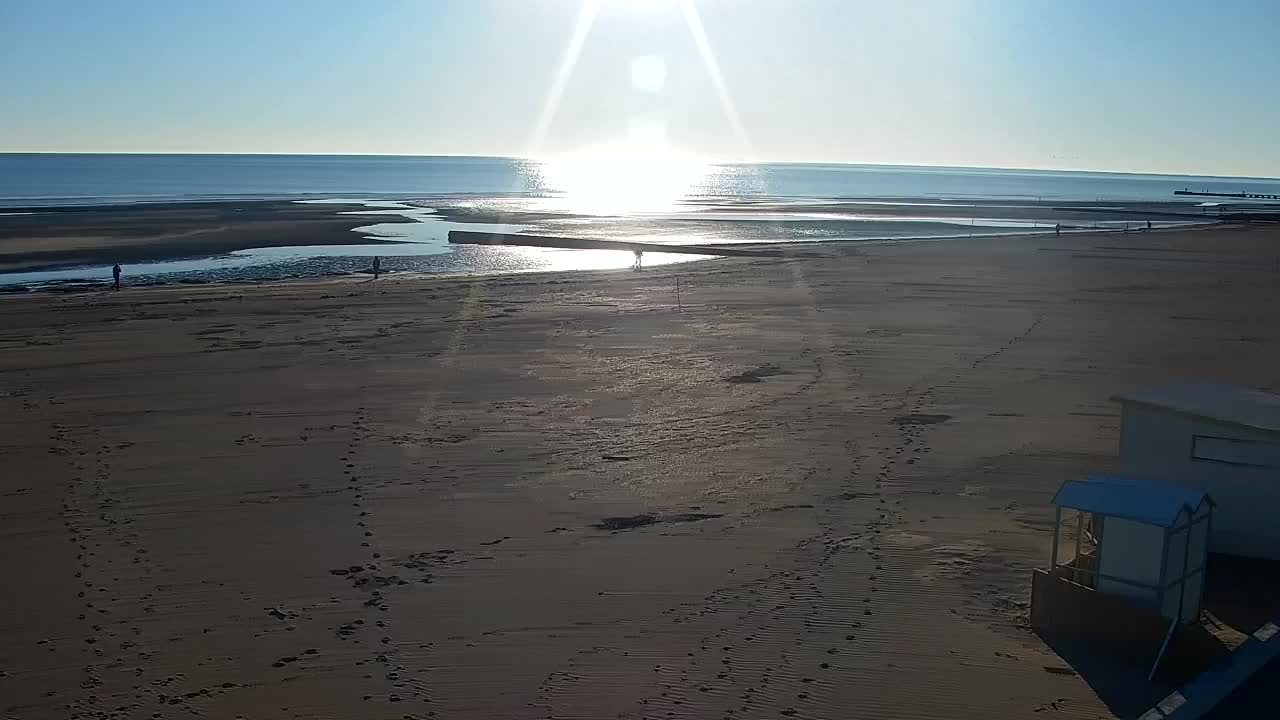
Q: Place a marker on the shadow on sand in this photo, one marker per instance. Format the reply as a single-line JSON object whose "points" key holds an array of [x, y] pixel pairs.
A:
{"points": [[1240, 593], [1121, 682]]}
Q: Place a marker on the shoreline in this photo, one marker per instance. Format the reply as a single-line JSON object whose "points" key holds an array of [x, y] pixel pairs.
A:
{"points": [[102, 235], [35, 239], [787, 250]]}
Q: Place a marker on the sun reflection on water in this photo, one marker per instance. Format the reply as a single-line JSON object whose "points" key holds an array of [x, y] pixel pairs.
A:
{"points": [[623, 181]]}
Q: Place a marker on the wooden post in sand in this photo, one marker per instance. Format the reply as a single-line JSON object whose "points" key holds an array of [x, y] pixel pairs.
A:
{"points": [[1057, 526], [1075, 573], [679, 303]]}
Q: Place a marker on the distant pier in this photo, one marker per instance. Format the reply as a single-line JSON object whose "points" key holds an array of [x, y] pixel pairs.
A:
{"points": [[1240, 195]]}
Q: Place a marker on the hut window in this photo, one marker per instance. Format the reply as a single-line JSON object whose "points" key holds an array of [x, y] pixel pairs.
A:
{"points": [[1235, 452]]}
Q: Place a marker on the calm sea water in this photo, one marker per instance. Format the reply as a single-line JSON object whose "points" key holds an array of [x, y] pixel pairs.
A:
{"points": [[57, 179]]}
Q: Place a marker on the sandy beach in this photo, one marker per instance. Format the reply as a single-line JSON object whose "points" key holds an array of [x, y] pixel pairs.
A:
{"points": [[69, 241], [44, 238], [815, 488]]}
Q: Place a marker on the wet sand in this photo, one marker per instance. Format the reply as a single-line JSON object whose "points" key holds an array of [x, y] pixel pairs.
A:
{"points": [[770, 219], [815, 492], [52, 238]]}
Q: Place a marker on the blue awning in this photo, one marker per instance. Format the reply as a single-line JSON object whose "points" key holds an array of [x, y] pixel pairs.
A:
{"points": [[1146, 501]]}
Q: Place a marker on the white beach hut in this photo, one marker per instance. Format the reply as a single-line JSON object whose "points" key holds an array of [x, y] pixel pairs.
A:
{"points": [[1150, 541], [1148, 546], [1221, 439]]}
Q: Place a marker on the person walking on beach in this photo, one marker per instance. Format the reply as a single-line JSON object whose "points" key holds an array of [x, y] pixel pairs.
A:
{"points": [[377, 266], [639, 258], [115, 274], [1057, 230], [1148, 226]]}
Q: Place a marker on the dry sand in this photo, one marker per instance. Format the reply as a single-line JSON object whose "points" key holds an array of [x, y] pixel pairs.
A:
{"points": [[814, 493]]}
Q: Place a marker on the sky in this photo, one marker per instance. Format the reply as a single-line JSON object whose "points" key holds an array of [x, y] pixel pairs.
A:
{"points": [[1128, 85]]}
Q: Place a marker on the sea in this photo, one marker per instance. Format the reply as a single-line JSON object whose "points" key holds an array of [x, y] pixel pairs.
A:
{"points": [[77, 179], [664, 199]]}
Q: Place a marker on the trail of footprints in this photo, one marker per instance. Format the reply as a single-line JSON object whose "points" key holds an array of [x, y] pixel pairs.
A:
{"points": [[802, 614], [405, 688], [722, 671], [112, 560]]}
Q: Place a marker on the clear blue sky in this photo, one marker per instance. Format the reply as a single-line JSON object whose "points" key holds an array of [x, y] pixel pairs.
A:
{"points": [[1168, 86]]}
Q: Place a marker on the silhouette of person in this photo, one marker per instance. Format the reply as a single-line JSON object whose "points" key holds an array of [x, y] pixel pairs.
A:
{"points": [[115, 274], [1148, 226], [377, 266], [1057, 230], [639, 255]]}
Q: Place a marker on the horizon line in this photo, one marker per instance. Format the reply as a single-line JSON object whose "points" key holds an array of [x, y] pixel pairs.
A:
{"points": [[708, 162]]}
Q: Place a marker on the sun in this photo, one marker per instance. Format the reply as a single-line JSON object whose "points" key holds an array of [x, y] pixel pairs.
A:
{"points": [[642, 173]]}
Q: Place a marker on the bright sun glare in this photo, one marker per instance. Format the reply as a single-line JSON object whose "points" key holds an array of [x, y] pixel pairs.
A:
{"points": [[641, 173], [623, 179]]}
